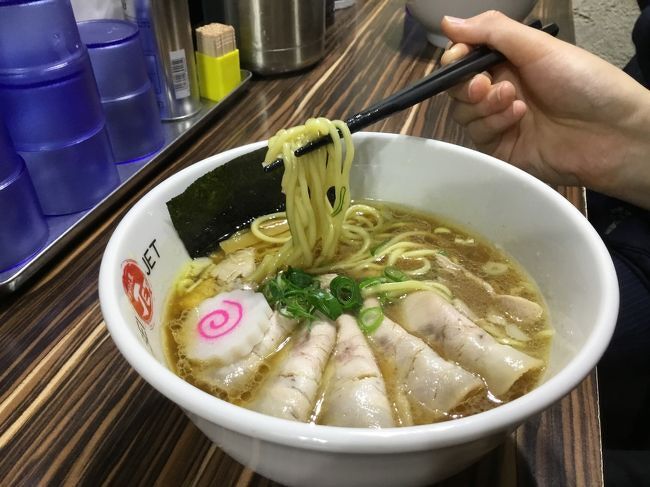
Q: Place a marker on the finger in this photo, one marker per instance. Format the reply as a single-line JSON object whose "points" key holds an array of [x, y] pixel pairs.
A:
{"points": [[487, 129], [519, 43], [472, 91], [454, 53], [499, 97]]}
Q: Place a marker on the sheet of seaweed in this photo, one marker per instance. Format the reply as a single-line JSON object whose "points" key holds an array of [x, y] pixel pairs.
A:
{"points": [[224, 201]]}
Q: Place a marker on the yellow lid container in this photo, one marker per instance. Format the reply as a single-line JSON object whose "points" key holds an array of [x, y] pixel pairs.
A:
{"points": [[218, 76]]}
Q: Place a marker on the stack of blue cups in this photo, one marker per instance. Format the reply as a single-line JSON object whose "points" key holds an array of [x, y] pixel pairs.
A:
{"points": [[23, 230], [132, 116], [52, 107]]}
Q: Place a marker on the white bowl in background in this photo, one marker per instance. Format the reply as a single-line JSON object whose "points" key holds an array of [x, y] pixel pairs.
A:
{"points": [[430, 12], [533, 223]]}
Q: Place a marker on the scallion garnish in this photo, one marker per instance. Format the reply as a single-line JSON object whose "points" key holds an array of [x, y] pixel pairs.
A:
{"points": [[298, 295], [347, 292], [372, 281], [298, 278], [272, 291], [370, 318], [375, 250], [339, 207], [395, 274], [326, 303], [298, 307]]}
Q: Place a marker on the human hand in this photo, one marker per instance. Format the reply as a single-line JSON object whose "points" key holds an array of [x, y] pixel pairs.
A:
{"points": [[554, 110]]}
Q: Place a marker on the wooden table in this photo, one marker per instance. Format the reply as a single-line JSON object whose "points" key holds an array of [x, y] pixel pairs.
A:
{"points": [[72, 411]]}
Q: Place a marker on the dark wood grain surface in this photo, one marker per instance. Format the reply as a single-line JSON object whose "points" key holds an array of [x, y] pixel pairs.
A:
{"points": [[72, 411]]}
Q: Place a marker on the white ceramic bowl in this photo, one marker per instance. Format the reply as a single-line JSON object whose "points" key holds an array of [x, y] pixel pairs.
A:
{"points": [[552, 240], [430, 12]]}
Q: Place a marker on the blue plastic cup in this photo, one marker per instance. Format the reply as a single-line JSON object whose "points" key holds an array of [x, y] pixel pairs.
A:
{"points": [[75, 177], [53, 111], [56, 121], [9, 160], [36, 33], [23, 230], [49, 108], [132, 115], [116, 55]]}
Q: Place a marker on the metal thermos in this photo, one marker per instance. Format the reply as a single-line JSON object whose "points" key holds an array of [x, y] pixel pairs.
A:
{"points": [[166, 36], [277, 36]]}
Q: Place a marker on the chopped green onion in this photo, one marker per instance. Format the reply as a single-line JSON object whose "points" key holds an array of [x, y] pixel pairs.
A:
{"points": [[346, 291], [298, 278], [297, 307], [272, 292], [339, 207], [326, 303], [374, 250], [298, 295], [372, 281], [383, 299], [395, 274], [370, 318]]}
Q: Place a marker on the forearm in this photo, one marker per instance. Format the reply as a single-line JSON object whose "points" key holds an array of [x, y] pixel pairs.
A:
{"points": [[629, 178]]}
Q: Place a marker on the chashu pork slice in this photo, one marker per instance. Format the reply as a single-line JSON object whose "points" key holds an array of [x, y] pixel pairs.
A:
{"points": [[291, 392], [430, 317], [515, 308], [356, 395], [236, 378], [431, 385]]}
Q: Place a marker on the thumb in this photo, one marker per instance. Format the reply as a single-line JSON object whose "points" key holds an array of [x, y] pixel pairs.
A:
{"points": [[517, 42]]}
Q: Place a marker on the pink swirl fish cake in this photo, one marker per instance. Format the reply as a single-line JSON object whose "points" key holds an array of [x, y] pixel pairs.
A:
{"points": [[225, 328]]}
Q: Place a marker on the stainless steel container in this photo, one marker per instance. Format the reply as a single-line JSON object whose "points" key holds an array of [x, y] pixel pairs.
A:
{"points": [[166, 36], [278, 36]]}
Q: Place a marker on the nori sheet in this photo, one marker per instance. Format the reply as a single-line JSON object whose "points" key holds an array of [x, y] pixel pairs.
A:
{"points": [[224, 201]]}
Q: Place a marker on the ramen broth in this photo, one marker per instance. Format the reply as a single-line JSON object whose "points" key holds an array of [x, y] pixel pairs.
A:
{"points": [[478, 257]]}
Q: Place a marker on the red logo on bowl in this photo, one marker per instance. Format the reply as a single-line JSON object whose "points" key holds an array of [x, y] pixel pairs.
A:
{"points": [[137, 289]]}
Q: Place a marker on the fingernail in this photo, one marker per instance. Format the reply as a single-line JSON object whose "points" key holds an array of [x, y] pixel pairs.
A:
{"points": [[454, 20]]}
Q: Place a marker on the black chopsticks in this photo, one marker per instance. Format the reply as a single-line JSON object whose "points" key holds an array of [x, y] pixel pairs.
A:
{"points": [[440, 80]]}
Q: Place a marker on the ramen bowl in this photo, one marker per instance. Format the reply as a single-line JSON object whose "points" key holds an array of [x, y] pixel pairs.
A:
{"points": [[430, 12], [529, 220]]}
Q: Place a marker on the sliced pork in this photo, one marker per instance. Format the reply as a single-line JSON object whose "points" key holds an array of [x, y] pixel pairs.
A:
{"points": [[291, 393], [436, 321], [517, 309], [356, 396], [239, 264], [431, 385]]}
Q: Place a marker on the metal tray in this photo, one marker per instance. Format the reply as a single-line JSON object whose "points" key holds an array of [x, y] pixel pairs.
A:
{"points": [[65, 228]]}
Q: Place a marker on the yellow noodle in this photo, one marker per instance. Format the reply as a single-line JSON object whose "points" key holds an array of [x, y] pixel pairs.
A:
{"points": [[316, 225], [425, 267], [397, 288], [268, 235]]}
